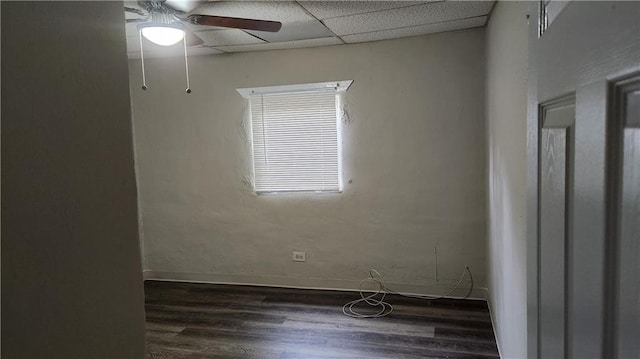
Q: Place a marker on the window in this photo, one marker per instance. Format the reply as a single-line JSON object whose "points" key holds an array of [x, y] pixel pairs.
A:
{"points": [[295, 137]]}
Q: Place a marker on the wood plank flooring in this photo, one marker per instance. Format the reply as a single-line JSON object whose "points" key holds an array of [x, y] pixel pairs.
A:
{"points": [[189, 320]]}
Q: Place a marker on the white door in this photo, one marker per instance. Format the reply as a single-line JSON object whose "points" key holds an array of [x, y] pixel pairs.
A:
{"points": [[584, 171]]}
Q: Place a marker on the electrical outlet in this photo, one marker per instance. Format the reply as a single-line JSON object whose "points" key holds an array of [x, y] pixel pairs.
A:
{"points": [[299, 256]]}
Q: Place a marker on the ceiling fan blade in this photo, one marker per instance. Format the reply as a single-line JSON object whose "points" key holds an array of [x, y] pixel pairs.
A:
{"points": [[134, 10], [192, 39], [137, 20], [235, 22]]}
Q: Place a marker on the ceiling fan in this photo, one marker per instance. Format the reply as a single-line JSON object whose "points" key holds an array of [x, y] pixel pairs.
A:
{"points": [[162, 23]]}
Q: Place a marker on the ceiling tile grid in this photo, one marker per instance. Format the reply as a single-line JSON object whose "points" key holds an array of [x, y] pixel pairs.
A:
{"points": [[295, 31], [283, 11], [315, 23], [407, 16], [329, 9]]}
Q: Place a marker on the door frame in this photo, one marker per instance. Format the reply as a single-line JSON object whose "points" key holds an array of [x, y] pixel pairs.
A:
{"points": [[532, 207]]}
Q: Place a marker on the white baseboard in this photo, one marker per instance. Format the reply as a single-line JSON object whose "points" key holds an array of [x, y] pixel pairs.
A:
{"points": [[478, 293]]}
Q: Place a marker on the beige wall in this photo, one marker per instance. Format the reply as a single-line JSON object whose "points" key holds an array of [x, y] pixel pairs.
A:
{"points": [[414, 168], [507, 146], [71, 281]]}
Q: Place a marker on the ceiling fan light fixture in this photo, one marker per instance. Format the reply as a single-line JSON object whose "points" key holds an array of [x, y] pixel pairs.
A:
{"points": [[163, 34]]}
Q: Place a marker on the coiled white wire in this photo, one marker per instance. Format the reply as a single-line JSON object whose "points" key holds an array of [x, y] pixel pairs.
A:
{"points": [[382, 290]]}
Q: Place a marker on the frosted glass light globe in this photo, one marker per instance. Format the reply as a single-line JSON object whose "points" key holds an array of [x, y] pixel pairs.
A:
{"points": [[163, 35]]}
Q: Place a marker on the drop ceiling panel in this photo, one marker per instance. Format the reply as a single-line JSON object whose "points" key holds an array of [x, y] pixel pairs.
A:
{"points": [[329, 9], [353, 21], [283, 11], [227, 37], [416, 30], [295, 31], [283, 45], [408, 16]]}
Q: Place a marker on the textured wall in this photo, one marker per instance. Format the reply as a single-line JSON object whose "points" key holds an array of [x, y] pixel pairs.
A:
{"points": [[414, 167], [71, 281], [507, 145]]}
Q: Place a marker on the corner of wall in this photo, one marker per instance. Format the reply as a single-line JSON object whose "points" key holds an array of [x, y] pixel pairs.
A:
{"points": [[506, 151]]}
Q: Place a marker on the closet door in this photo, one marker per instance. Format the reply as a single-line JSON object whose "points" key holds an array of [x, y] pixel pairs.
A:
{"points": [[584, 171]]}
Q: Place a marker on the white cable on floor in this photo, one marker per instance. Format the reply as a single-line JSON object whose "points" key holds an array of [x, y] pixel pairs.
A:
{"points": [[385, 308], [382, 290]]}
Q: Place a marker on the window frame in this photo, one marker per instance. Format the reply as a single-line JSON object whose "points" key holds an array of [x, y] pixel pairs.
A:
{"points": [[336, 87]]}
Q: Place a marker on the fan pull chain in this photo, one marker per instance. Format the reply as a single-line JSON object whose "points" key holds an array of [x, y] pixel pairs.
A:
{"points": [[186, 63], [144, 79]]}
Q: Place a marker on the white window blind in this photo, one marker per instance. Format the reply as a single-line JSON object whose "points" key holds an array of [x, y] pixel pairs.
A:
{"points": [[295, 141]]}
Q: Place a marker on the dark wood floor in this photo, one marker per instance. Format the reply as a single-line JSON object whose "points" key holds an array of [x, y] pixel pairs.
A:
{"points": [[188, 320]]}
